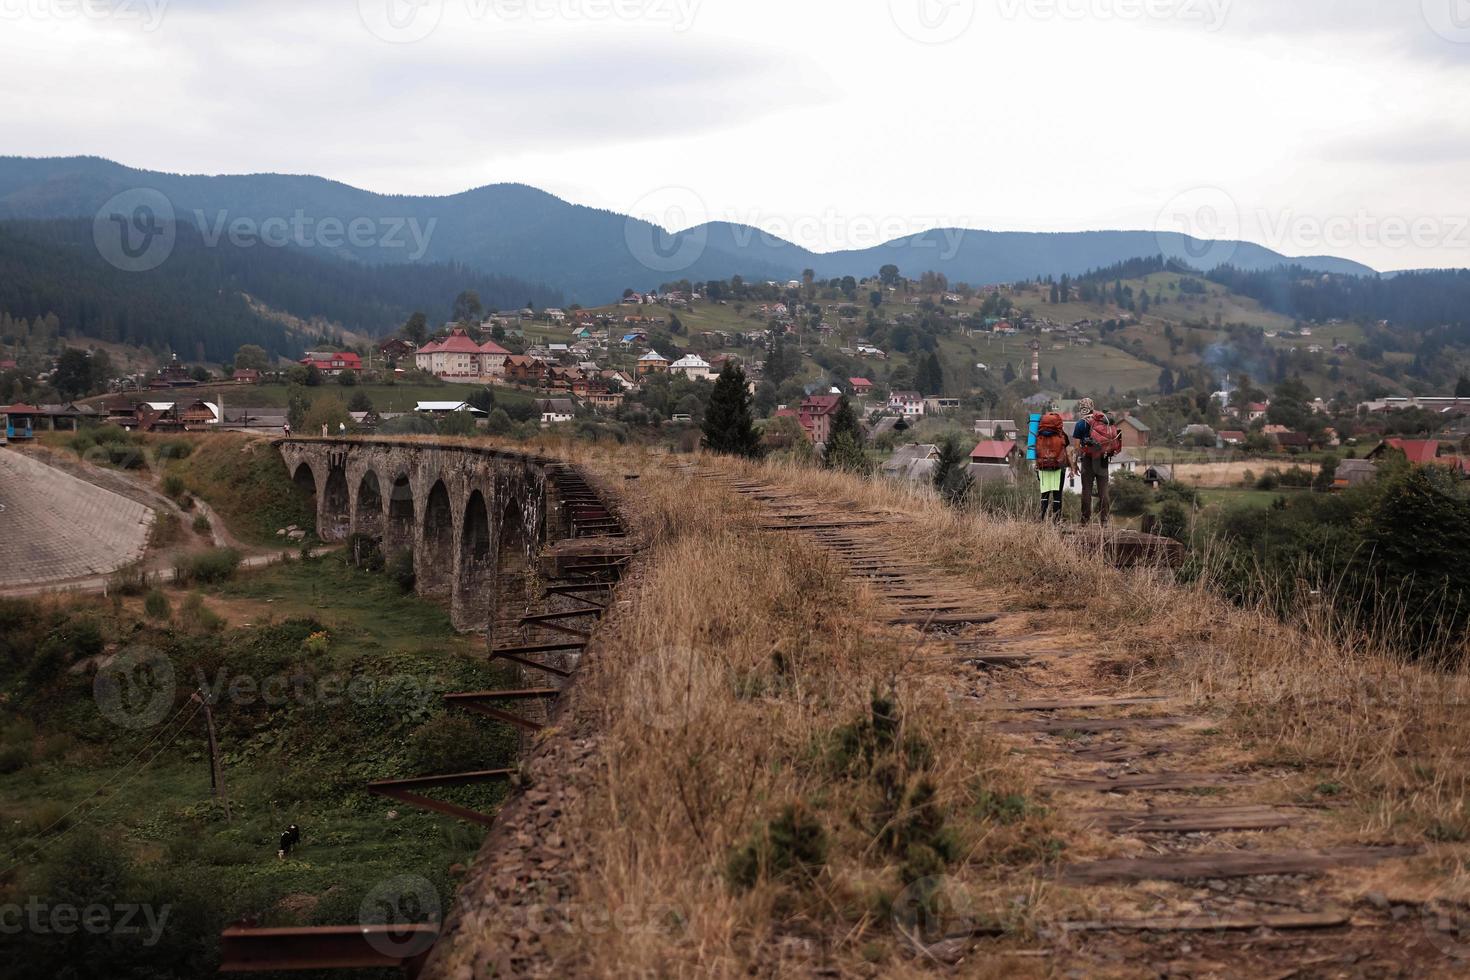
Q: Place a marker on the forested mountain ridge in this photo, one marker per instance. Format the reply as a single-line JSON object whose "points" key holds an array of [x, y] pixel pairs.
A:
{"points": [[589, 254], [195, 302]]}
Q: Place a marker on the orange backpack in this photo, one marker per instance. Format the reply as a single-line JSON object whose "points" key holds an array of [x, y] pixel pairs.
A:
{"points": [[1051, 443]]}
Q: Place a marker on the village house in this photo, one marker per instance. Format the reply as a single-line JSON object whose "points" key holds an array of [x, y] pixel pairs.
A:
{"points": [[1134, 432], [1420, 452], [522, 369], [816, 416], [914, 463], [861, 387], [693, 367], [19, 419], [997, 429], [652, 363], [395, 349], [556, 410], [443, 409], [333, 363], [1002, 452], [937, 406], [909, 404]]}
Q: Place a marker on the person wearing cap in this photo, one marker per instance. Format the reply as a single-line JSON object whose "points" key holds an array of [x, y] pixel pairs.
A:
{"points": [[1094, 466]]}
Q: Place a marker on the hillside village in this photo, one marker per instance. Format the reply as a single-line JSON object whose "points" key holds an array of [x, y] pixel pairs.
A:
{"points": [[919, 360]]}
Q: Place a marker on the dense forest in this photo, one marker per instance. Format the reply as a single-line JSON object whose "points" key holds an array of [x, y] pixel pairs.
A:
{"points": [[194, 304], [1410, 299]]}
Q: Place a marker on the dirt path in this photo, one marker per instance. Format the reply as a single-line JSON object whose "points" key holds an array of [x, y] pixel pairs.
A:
{"points": [[1187, 853]]}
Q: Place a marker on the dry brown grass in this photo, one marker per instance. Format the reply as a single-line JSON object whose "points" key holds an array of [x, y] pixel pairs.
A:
{"points": [[1363, 724], [720, 700], [717, 697]]}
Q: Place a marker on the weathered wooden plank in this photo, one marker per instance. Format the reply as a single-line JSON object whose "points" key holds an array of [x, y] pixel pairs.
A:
{"points": [[1231, 864], [1087, 725], [1065, 703], [1217, 923], [946, 619], [1187, 820], [1150, 782]]}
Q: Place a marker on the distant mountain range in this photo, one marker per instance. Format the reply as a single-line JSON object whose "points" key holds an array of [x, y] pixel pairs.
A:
{"points": [[588, 255]]}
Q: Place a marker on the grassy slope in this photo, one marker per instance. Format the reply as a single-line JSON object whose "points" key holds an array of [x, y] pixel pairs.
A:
{"points": [[304, 761], [244, 479]]}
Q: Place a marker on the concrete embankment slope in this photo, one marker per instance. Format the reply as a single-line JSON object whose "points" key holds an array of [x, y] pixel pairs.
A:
{"points": [[55, 527]]}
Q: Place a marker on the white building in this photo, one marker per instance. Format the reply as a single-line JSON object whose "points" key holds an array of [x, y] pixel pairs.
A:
{"points": [[693, 367]]}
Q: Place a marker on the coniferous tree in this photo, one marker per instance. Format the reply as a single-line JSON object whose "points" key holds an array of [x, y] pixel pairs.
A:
{"points": [[845, 441], [952, 471], [729, 426]]}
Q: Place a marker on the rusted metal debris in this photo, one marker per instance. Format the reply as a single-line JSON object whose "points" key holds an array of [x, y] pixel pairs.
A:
{"points": [[483, 702], [362, 947], [406, 791]]}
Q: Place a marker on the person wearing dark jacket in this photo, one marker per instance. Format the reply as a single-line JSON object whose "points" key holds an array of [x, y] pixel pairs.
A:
{"points": [[1094, 465]]}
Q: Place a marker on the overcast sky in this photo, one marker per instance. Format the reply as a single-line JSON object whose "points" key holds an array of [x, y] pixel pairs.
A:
{"points": [[1310, 126]]}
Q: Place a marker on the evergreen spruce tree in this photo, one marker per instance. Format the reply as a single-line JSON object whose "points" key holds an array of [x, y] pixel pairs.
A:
{"points": [[729, 427], [845, 441], [952, 471]]}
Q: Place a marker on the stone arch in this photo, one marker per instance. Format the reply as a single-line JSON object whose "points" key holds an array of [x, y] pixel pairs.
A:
{"points": [[434, 561], [513, 578], [367, 510], [398, 534], [303, 479], [334, 516], [474, 586]]}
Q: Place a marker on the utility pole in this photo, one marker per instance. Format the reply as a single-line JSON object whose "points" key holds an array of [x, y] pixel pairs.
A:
{"points": [[216, 768]]}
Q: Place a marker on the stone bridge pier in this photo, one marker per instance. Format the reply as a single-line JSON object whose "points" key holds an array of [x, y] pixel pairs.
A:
{"points": [[473, 518]]}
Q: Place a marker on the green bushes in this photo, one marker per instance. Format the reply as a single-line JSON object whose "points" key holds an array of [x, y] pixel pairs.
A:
{"points": [[156, 606], [794, 844], [201, 524], [208, 568], [1130, 496]]}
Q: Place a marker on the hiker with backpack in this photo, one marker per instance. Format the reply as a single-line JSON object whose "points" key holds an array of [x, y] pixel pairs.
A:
{"points": [[1053, 458], [1098, 440]]}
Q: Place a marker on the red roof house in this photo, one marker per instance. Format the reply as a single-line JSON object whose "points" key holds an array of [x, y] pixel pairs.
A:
{"points": [[860, 386], [1420, 451], [334, 364], [994, 451]]}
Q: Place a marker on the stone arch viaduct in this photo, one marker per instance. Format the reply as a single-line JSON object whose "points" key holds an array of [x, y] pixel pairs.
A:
{"points": [[472, 517]]}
